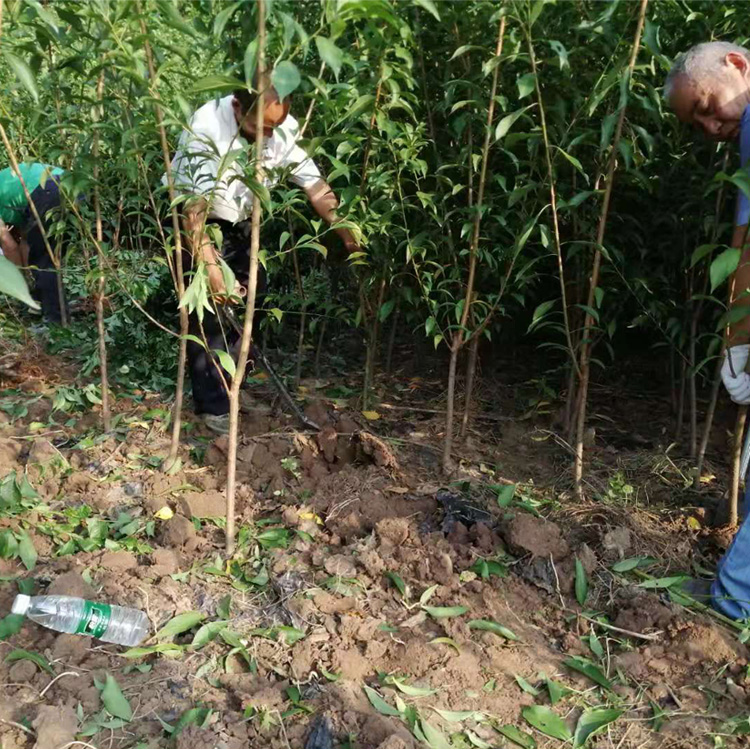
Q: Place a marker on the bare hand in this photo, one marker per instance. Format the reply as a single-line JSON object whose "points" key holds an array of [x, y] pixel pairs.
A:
{"points": [[219, 289]]}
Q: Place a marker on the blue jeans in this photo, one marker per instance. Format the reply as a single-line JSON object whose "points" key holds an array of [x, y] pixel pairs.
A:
{"points": [[730, 592]]}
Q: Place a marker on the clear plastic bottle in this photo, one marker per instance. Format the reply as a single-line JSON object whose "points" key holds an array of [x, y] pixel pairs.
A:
{"points": [[69, 614]]}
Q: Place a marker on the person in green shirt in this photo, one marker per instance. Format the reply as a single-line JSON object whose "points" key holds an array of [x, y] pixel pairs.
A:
{"points": [[21, 238]]}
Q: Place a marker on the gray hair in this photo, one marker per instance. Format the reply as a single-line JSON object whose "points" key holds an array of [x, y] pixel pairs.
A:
{"points": [[698, 62]]}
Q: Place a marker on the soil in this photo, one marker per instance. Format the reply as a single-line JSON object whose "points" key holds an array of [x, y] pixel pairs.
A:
{"points": [[366, 532]]}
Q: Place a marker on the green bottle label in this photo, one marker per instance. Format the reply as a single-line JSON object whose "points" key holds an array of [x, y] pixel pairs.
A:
{"points": [[95, 619]]}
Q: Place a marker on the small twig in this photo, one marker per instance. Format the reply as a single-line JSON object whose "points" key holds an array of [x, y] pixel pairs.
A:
{"points": [[631, 633], [18, 726], [557, 581], [62, 674]]}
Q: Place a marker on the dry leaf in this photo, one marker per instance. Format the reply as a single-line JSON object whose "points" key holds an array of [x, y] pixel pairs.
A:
{"points": [[397, 490]]}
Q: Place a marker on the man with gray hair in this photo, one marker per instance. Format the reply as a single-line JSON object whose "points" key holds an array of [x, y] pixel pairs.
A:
{"points": [[709, 87]]}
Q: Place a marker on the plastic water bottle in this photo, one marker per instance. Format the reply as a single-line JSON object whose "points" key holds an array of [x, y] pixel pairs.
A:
{"points": [[69, 614]]}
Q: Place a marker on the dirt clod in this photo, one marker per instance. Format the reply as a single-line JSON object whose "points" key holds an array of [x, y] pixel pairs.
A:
{"points": [[55, 726], [526, 534], [71, 584], [211, 504]]}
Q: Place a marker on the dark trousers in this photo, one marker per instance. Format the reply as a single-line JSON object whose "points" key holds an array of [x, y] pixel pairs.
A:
{"points": [[46, 199], [209, 394]]}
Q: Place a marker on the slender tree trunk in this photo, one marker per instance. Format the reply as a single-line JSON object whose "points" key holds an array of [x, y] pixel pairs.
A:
{"points": [[372, 347], [471, 363], [252, 287], [458, 336], [715, 387], [303, 313], [553, 205], [681, 403], [99, 296], [585, 365], [392, 338], [177, 238], [693, 390], [471, 369], [734, 490], [319, 347]]}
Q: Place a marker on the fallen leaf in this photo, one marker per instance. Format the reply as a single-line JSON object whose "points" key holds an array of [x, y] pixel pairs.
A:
{"points": [[372, 415], [397, 490]]}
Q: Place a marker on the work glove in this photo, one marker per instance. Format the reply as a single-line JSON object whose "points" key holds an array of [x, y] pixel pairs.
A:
{"points": [[736, 380]]}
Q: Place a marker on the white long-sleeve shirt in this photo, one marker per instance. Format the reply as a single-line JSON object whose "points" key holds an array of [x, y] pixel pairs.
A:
{"points": [[206, 160]]}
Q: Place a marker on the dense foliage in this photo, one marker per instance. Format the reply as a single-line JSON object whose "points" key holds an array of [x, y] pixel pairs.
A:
{"points": [[398, 96]]}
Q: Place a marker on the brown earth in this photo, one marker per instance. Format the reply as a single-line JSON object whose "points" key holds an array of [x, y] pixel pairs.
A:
{"points": [[359, 516]]}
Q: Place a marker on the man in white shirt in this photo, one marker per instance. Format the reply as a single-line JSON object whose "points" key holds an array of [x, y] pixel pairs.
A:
{"points": [[209, 169]]}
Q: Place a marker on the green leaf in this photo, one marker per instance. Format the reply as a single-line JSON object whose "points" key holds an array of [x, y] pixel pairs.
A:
{"points": [[277, 313], [13, 283], [724, 266], [429, 6], [556, 691], [592, 720], [413, 691], [23, 73], [447, 641], [427, 594], [330, 54], [493, 627], [176, 21], [114, 701], [442, 612], [507, 122], [701, 252], [398, 582], [527, 687], [225, 358], [547, 722], [173, 649], [631, 563], [222, 18], [20, 654], [663, 583], [10, 625], [379, 704], [514, 734], [291, 635], [180, 624], [8, 544], [590, 670], [193, 716], [208, 632], [582, 584], [526, 84], [459, 716], [250, 62], [539, 314], [434, 737], [285, 78], [26, 550], [362, 104], [219, 84]]}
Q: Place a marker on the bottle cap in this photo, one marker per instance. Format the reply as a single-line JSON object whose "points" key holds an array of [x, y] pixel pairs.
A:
{"points": [[21, 604]]}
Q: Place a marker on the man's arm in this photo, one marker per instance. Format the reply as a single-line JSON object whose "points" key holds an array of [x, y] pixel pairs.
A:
{"points": [[10, 248], [325, 203], [202, 249]]}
